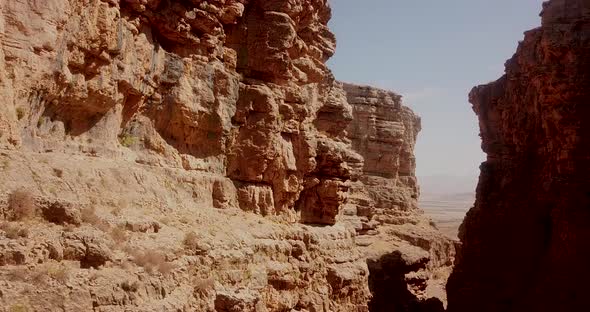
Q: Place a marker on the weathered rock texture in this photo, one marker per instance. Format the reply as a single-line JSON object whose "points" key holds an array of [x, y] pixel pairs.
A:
{"points": [[409, 259], [234, 88], [129, 121], [525, 243], [165, 155], [384, 132]]}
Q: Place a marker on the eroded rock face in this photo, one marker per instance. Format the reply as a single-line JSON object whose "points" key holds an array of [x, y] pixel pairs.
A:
{"points": [[384, 132], [227, 87], [174, 149], [525, 241], [408, 258], [180, 156]]}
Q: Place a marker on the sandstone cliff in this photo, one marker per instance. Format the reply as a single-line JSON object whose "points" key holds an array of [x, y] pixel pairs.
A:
{"points": [[194, 156], [525, 243], [409, 259]]}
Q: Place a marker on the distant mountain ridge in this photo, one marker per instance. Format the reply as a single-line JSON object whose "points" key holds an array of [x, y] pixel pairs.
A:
{"points": [[447, 184]]}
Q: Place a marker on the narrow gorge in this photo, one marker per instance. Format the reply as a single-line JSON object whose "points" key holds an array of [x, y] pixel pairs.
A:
{"points": [[525, 241]]}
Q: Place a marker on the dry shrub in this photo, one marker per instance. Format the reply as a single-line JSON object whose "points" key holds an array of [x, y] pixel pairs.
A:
{"points": [[166, 221], [14, 231], [190, 241], [19, 273], [194, 245], [152, 260], [18, 307], [119, 234], [89, 216], [39, 277], [69, 228], [103, 226], [117, 211], [22, 205], [202, 286], [130, 286], [20, 113], [58, 272]]}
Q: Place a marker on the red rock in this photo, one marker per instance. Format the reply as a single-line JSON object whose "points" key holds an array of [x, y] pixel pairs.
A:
{"points": [[525, 241]]}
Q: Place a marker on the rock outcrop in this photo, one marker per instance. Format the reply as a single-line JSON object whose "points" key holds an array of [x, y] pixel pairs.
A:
{"points": [[233, 88], [409, 259], [198, 156], [170, 152], [525, 242]]}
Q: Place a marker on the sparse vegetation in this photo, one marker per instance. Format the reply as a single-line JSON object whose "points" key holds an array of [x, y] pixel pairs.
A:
{"points": [[117, 211], [56, 271], [14, 231], [190, 241], [89, 216], [203, 286], [41, 121], [166, 221], [119, 234], [22, 205], [18, 308], [127, 140], [19, 273], [152, 260], [20, 113], [69, 228], [60, 273], [58, 172], [130, 286]]}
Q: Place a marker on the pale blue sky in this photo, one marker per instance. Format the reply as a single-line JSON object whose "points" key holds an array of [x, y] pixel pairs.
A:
{"points": [[432, 52]]}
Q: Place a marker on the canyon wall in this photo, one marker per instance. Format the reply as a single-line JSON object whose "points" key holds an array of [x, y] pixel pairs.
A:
{"points": [[409, 259], [525, 242], [166, 156], [238, 89], [199, 156]]}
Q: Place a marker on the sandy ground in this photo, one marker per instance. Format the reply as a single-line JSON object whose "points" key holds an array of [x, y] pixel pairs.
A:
{"points": [[447, 211]]}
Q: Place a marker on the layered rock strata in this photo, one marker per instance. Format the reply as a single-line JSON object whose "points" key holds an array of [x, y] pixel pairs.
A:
{"points": [[134, 134], [197, 156], [409, 259], [525, 241], [238, 89]]}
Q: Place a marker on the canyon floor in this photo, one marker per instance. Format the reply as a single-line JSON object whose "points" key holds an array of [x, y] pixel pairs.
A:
{"points": [[447, 211], [446, 199]]}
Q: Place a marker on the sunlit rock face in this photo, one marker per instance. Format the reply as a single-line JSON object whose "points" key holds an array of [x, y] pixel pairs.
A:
{"points": [[233, 88], [199, 156], [525, 241], [194, 139]]}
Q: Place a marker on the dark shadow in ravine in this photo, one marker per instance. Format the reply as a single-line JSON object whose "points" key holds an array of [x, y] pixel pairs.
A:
{"points": [[389, 287]]}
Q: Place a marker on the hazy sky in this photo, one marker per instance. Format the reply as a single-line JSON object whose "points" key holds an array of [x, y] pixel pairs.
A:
{"points": [[432, 52]]}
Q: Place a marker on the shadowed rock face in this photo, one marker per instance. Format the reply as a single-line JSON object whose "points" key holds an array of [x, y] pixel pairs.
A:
{"points": [[525, 243]]}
